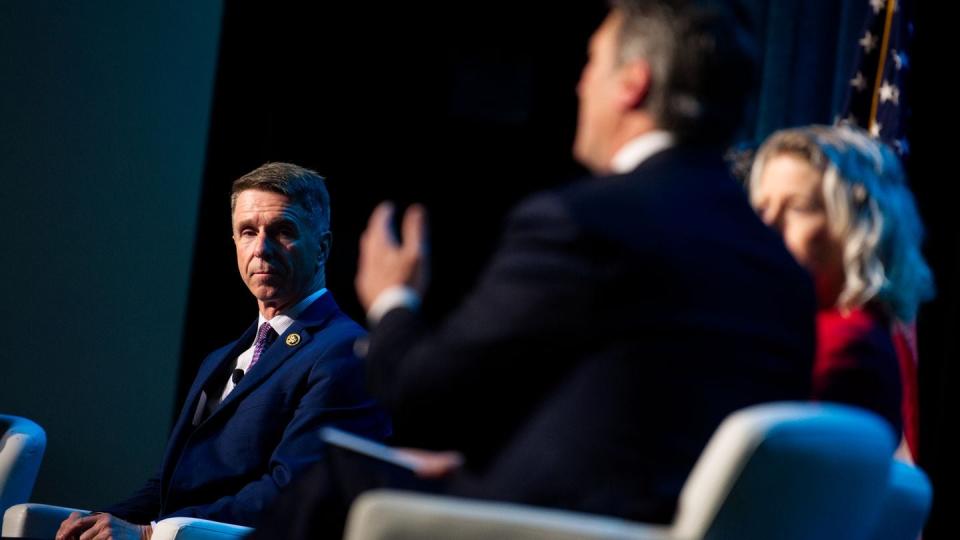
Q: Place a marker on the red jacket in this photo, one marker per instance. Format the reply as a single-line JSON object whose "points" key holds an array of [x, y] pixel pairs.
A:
{"points": [[857, 363]]}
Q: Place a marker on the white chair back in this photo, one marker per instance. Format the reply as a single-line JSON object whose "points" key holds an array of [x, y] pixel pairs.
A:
{"points": [[788, 471]]}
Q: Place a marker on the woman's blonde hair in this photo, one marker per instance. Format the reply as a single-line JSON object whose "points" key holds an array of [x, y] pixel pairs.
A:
{"points": [[869, 207]]}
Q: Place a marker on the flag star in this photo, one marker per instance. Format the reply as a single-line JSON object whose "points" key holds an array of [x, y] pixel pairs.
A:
{"points": [[889, 92], [868, 42], [858, 82], [900, 59], [877, 5], [875, 129]]}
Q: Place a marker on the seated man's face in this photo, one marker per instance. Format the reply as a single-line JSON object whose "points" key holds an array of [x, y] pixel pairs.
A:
{"points": [[279, 252]]}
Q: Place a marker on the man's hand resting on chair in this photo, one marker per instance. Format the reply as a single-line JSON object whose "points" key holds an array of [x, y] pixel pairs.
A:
{"points": [[432, 465], [101, 527]]}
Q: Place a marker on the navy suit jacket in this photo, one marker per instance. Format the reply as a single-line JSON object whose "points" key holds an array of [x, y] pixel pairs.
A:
{"points": [[231, 464], [620, 321]]}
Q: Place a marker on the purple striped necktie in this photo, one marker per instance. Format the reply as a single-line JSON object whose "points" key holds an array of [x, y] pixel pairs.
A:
{"points": [[265, 336]]}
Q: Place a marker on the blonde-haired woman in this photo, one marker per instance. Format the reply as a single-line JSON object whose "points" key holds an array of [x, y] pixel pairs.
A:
{"points": [[840, 200]]}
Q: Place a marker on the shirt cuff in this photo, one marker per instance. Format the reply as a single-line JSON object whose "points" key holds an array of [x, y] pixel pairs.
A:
{"points": [[391, 298]]}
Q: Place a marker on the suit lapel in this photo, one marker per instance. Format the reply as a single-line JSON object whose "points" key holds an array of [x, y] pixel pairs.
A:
{"points": [[219, 366], [314, 318], [211, 366]]}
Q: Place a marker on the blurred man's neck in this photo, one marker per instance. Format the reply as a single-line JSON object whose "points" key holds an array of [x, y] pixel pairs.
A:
{"points": [[631, 127], [638, 149]]}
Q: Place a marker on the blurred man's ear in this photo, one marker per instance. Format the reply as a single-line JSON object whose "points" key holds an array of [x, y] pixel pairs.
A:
{"points": [[635, 81], [326, 242]]}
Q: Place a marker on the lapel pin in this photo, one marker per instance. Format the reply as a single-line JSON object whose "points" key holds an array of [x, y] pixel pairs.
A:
{"points": [[293, 340]]}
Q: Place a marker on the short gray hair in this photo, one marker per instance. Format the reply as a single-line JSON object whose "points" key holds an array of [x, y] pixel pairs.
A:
{"points": [[869, 207], [302, 186], [703, 65]]}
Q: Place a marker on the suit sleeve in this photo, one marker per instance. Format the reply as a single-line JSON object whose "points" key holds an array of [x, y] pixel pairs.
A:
{"points": [[141, 507], [335, 396], [491, 355]]}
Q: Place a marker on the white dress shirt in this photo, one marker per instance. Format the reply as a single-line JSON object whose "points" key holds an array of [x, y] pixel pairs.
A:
{"points": [[280, 323], [638, 149]]}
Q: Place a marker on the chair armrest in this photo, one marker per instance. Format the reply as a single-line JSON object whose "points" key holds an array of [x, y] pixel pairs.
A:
{"points": [[386, 514], [906, 503], [185, 528], [35, 520]]}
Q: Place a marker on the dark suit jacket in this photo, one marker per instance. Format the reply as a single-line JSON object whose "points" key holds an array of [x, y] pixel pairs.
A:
{"points": [[232, 464], [620, 321]]}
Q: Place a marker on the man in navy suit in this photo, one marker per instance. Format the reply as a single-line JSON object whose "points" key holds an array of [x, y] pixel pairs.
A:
{"points": [[252, 417], [622, 317]]}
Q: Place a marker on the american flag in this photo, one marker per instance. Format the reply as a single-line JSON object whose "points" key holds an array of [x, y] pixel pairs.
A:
{"points": [[877, 93], [877, 101]]}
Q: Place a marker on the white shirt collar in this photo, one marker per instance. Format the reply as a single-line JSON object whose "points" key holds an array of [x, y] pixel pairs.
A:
{"points": [[638, 149], [282, 321]]}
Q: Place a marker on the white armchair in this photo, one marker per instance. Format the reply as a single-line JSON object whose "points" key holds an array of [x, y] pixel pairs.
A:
{"points": [[773, 471], [42, 521], [782, 470], [22, 443], [197, 529], [32, 520]]}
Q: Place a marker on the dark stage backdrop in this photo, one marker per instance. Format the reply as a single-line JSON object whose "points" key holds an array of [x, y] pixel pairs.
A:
{"points": [[465, 109], [469, 107], [104, 108], [933, 171]]}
